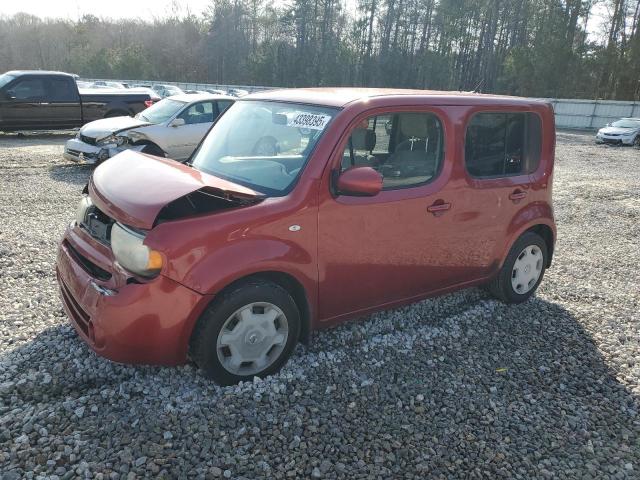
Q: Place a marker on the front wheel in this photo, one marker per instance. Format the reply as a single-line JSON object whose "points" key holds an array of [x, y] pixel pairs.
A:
{"points": [[248, 331], [522, 270]]}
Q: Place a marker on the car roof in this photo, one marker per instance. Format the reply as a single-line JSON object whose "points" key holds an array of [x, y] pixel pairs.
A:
{"points": [[15, 73], [197, 97], [342, 96], [635, 119]]}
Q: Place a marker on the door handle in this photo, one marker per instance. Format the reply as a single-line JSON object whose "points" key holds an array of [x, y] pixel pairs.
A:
{"points": [[438, 208], [517, 195]]}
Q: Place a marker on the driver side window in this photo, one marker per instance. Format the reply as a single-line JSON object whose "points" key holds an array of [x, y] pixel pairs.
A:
{"points": [[198, 113], [405, 148], [27, 89]]}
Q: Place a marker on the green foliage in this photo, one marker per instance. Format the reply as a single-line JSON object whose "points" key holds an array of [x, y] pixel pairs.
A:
{"points": [[521, 47]]}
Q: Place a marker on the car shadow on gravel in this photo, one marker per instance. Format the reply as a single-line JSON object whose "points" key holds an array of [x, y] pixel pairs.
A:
{"points": [[73, 173], [460, 383]]}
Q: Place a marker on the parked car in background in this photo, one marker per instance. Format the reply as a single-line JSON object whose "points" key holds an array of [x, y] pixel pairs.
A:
{"points": [[196, 92], [166, 90], [173, 127], [215, 91], [232, 259], [625, 131], [42, 100], [237, 92], [107, 84]]}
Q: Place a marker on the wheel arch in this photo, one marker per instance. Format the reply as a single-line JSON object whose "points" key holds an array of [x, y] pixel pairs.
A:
{"points": [[543, 226], [285, 280]]}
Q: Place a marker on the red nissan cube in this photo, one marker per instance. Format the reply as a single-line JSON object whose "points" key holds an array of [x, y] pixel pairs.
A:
{"points": [[303, 208]]}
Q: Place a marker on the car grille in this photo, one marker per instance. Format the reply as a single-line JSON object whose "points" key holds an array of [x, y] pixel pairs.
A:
{"points": [[89, 140], [88, 266]]}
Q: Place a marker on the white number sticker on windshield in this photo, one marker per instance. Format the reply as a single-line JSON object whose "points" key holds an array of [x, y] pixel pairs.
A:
{"points": [[309, 120]]}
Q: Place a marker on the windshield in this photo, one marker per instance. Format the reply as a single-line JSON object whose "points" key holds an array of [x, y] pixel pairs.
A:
{"points": [[4, 79], [262, 145], [626, 124], [161, 112]]}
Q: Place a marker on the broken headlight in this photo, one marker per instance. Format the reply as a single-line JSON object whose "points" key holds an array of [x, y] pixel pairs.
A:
{"points": [[112, 140], [81, 211], [132, 254]]}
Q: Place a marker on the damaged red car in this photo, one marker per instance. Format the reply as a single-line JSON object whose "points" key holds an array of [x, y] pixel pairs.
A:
{"points": [[301, 209]]}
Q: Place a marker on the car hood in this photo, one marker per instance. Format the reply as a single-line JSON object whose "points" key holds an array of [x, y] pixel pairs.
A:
{"points": [[617, 130], [102, 128], [133, 188]]}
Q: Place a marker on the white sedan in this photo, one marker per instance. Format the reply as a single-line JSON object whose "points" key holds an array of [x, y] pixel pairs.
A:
{"points": [[625, 131], [171, 128]]}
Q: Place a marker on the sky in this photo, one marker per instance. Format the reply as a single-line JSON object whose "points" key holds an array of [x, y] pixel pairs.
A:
{"points": [[74, 9], [148, 9]]}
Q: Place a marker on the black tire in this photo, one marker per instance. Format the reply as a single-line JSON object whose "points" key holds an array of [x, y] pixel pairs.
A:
{"points": [[203, 342], [636, 141], [501, 286], [153, 149]]}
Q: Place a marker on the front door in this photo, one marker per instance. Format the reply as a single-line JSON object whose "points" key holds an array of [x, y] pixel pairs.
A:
{"points": [[24, 104], [198, 119], [396, 245]]}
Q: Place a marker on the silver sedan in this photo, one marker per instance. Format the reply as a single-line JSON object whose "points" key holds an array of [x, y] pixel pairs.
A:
{"points": [[171, 128]]}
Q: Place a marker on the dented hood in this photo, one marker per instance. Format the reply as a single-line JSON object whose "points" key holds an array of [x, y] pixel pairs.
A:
{"points": [[104, 127], [134, 187]]}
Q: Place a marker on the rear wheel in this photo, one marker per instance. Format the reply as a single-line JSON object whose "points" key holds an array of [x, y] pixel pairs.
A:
{"points": [[636, 141], [248, 331], [522, 270]]}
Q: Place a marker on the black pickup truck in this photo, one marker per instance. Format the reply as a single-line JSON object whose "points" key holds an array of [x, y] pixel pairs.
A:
{"points": [[40, 100]]}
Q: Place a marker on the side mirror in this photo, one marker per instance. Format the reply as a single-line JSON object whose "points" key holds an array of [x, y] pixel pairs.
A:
{"points": [[360, 181], [177, 122]]}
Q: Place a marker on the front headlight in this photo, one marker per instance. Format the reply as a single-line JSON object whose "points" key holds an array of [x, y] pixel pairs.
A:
{"points": [[131, 254], [111, 140], [83, 207]]}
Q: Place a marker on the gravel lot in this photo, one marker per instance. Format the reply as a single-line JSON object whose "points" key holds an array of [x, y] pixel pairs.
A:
{"points": [[461, 386]]}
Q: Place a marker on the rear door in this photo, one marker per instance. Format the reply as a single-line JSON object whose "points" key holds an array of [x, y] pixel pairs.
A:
{"points": [[64, 109], [198, 118], [24, 103], [501, 149]]}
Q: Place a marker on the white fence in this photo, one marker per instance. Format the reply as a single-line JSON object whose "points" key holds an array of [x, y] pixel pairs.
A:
{"points": [[570, 113], [591, 114]]}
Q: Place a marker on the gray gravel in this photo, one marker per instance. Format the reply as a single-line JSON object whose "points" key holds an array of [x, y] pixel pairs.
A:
{"points": [[456, 387]]}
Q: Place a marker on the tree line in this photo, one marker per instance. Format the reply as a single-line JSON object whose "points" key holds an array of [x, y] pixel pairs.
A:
{"points": [[536, 48]]}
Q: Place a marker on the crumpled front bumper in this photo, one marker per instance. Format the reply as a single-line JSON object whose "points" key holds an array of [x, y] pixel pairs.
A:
{"points": [[78, 151], [122, 319]]}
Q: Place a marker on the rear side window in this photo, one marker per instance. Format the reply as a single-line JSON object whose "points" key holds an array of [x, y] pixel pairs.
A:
{"points": [[61, 90], [405, 148], [503, 144]]}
